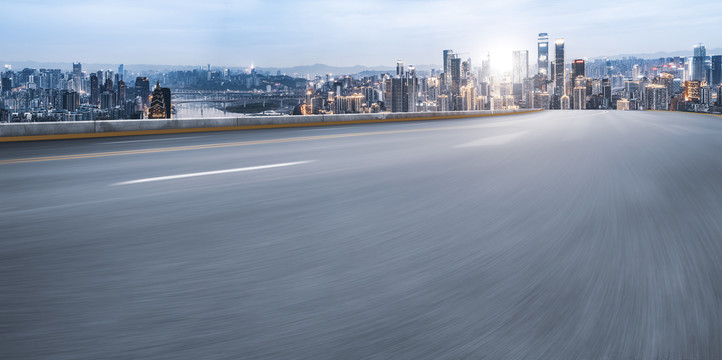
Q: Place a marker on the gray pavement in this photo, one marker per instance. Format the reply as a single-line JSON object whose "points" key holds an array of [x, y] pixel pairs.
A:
{"points": [[554, 235]]}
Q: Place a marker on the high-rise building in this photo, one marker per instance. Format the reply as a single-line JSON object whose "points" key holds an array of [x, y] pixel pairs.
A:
{"points": [[400, 68], [412, 84], [448, 55], [77, 76], [699, 67], [559, 67], [716, 71], [577, 69], [70, 100], [77, 69], [121, 71], [468, 98], [121, 92], [142, 89], [465, 71], [160, 103], [6, 84], [656, 97], [107, 99], [564, 102], [167, 99], [520, 66], [485, 69], [396, 97], [580, 98], [94, 89], [543, 55], [607, 93], [691, 91], [455, 72], [705, 95]]}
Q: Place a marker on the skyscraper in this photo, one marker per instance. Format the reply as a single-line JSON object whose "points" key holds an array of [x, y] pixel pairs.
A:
{"points": [[656, 97], [400, 68], [142, 88], [485, 69], [120, 71], [543, 55], [94, 89], [77, 76], [559, 67], [398, 93], [160, 103], [455, 72], [70, 100], [579, 98], [121, 92], [716, 71], [77, 69], [578, 69], [6, 84], [448, 55], [698, 63], [413, 88], [520, 66]]}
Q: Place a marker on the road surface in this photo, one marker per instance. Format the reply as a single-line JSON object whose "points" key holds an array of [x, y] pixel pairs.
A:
{"points": [[553, 235]]}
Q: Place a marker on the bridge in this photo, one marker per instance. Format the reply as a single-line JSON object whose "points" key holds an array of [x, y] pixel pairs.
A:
{"points": [[554, 235], [230, 96]]}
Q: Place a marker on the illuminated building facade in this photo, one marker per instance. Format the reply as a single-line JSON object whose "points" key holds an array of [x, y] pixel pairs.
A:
{"points": [[160, 103], [578, 68], [691, 91], [580, 98]]}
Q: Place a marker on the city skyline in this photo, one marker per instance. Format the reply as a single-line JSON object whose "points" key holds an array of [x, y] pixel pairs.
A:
{"points": [[299, 33]]}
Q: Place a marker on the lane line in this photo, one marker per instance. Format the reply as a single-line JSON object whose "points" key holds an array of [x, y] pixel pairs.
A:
{"points": [[230, 144], [206, 173], [146, 140], [493, 140]]}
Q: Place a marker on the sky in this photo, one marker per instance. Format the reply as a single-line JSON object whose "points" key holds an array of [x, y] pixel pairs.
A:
{"points": [[284, 33]]}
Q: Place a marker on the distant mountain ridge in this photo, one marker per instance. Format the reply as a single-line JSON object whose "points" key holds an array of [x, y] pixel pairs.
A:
{"points": [[323, 69], [302, 70], [659, 54]]}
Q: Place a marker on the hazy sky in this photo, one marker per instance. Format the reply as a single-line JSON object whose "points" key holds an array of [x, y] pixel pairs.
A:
{"points": [[342, 32]]}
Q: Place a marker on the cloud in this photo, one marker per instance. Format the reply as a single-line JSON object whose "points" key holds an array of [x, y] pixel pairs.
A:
{"points": [[372, 32]]}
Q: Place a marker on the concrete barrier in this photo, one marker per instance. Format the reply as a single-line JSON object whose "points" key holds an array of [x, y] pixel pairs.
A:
{"points": [[106, 128]]}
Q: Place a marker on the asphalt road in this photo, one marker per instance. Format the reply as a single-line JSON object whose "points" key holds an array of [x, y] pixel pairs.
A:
{"points": [[554, 235]]}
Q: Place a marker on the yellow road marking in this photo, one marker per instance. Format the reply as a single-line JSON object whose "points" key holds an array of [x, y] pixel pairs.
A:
{"points": [[686, 112], [231, 128], [228, 144]]}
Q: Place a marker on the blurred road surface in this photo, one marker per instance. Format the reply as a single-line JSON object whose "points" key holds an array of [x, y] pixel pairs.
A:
{"points": [[554, 235]]}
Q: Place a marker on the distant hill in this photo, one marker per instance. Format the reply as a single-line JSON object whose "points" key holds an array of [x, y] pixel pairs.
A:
{"points": [[323, 69], [688, 52], [19, 65], [302, 71]]}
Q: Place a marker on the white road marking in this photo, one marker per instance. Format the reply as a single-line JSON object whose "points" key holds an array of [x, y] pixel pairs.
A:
{"points": [[182, 176], [163, 139], [493, 140]]}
